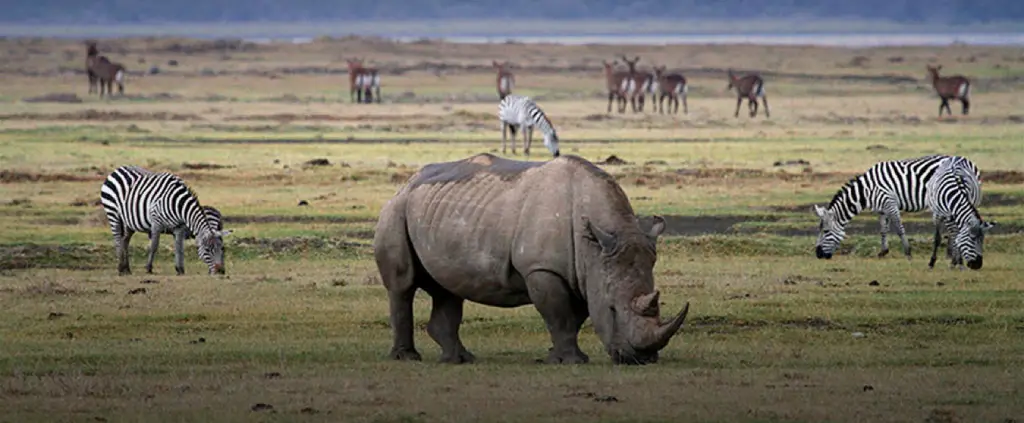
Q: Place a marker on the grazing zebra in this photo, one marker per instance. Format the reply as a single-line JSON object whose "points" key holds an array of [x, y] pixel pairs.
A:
{"points": [[955, 87], [137, 200], [952, 209], [520, 111], [749, 87], [887, 188]]}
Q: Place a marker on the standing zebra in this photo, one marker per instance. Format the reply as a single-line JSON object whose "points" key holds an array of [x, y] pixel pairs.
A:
{"points": [[887, 188], [520, 111], [137, 200], [953, 210]]}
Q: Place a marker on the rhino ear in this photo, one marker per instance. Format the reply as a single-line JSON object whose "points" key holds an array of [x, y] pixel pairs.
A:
{"points": [[606, 240]]}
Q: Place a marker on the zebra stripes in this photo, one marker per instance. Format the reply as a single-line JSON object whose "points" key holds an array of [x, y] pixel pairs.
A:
{"points": [[368, 82], [887, 188], [949, 197], [137, 200], [522, 112]]}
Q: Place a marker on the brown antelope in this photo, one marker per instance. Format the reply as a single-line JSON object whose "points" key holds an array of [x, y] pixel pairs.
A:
{"points": [[616, 81], [673, 86], [363, 82], [102, 70], [956, 87], [505, 80], [750, 86], [639, 82], [91, 56]]}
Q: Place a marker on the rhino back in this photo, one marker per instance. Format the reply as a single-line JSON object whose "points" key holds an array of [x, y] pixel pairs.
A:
{"points": [[480, 225]]}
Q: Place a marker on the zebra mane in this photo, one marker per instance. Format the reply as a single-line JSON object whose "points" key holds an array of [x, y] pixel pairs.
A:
{"points": [[962, 186], [848, 186]]}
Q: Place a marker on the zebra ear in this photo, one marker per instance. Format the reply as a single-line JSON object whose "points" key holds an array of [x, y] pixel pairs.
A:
{"points": [[986, 226], [224, 233], [818, 210]]}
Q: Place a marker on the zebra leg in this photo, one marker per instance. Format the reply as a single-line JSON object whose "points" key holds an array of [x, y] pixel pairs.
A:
{"points": [[154, 244], [883, 222], [179, 251], [527, 140], [504, 136], [894, 216], [935, 245], [122, 240]]}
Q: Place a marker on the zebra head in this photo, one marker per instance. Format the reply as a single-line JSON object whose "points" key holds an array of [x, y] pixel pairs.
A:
{"points": [[969, 240], [551, 142], [211, 249], [830, 232]]}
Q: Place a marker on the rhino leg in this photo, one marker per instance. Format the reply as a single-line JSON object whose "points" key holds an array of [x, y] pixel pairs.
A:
{"points": [[394, 259], [563, 314], [443, 327]]}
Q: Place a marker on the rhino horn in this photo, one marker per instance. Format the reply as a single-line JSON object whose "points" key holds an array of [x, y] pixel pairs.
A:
{"points": [[663, 333], [647, 304]]}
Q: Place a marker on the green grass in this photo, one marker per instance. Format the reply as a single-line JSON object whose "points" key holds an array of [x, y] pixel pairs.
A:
{"points": [[300, 321]]}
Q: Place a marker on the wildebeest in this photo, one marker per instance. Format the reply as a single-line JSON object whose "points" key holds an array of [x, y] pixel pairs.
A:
{"points": [[750, 87], [560, 235], [955, 87]]}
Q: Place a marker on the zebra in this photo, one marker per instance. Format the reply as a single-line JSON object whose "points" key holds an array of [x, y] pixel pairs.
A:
{"points": [[520, 111], [137, 200], [953, 210], [887, 188]]}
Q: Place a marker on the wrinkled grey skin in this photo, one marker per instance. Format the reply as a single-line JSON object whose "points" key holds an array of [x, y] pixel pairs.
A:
{"points": [[560, 235]]}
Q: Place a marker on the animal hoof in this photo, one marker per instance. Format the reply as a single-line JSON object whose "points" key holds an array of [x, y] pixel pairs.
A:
{"points": [[179, 271], [578, 357], [463, 357], [405, 355], [883, 253]]}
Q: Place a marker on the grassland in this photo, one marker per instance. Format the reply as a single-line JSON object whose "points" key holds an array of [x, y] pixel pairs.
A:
{"points": [[300, 320]]}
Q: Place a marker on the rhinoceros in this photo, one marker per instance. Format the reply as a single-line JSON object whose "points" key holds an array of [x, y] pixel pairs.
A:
{"points": [[560, 235]]}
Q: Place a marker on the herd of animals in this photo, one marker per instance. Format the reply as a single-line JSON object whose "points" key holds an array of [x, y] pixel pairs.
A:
{"points": [[499, 232]]}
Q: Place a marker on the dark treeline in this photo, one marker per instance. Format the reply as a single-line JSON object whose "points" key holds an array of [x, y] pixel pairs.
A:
{"points": [[143, 11]]}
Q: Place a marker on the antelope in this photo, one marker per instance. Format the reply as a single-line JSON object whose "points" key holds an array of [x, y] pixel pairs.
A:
{"points": [[750, 86], [640, 82], [672, 86], [505, 79], [102, 70], [956, 87], [90, 58], [363, 80], [616, 83]]}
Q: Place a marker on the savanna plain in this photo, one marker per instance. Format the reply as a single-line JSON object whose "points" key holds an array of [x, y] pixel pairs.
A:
{"points": [[297, 330]]}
